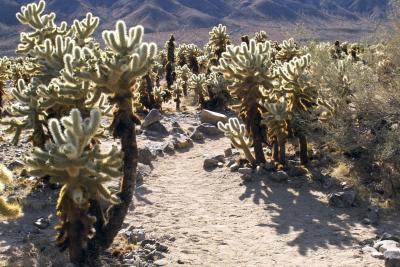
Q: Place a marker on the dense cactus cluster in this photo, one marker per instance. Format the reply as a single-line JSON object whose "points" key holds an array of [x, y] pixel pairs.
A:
{"points": [[65, 81]]}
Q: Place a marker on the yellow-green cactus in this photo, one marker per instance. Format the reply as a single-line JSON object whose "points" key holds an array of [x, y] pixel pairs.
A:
{"points": [[82, 171], [237, 133], [219, 40], [288, 49], [249, 67], [198, 85], [7, 210], [183, 73]]}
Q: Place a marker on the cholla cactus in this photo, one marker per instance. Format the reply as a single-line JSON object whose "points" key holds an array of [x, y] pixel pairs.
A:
{"points": [[238, 136], [249, 67], [299, 97], [177, 93], [188, 54], [7, 210], [288, 50], [219, 40], [277, 118], [198, 85], [260, 37], [5, 65], [83, 173], [83, 30], [183, 73], [27, 114], [295, 85], [114, 73]]}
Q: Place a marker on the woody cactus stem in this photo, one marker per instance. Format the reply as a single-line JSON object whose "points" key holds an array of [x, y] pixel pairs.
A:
{"points": [[303, 149]]}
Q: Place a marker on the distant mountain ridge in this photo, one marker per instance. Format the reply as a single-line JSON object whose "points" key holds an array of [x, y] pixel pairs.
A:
{"points": [[159, 16]]}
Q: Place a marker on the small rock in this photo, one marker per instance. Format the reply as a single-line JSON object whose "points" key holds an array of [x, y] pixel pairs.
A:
{"points": [[182, 142], [197, 135], [136, 235], [260, 170], [209, 129], [368, 249], [220, 164], [377, 255], [392, 258], [343, 199], [245, 171], [231, 162], [220, 158], [385, 245], [279, 176], [207, 116], [295, 171], [210, 164], [162, 262], [234, 167], [162, 248], [157, 130], [180, 262], [228, 152], [146, 156], [42, 223], [15, 164], [151, 118], [168, 148]]}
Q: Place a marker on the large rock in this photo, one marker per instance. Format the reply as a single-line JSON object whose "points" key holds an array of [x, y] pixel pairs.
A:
{"points": [[386, 245], [343, 199], [151, 118], [208, 129], [207, 116], [392, 258]]}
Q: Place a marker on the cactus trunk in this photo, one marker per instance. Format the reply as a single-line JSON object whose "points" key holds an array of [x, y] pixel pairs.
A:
{"points": [[77, 244], [253, 122], [303, 149], [124, 128], [282, 152], [275, 150]]}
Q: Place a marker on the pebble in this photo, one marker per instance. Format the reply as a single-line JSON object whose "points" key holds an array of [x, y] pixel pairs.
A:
{"points": [[42, 223], [343, 199]]}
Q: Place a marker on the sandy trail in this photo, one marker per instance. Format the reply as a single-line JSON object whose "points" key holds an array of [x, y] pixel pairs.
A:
{"points": [[209, 219]]}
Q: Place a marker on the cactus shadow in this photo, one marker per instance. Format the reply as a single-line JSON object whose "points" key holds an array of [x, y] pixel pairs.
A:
{"points": [[141, 192], [303, 211]]}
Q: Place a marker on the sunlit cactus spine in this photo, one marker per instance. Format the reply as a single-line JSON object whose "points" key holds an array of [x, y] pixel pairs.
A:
{"points": [[288, 49], [82, 171], [8, 210], [237, 133]]}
